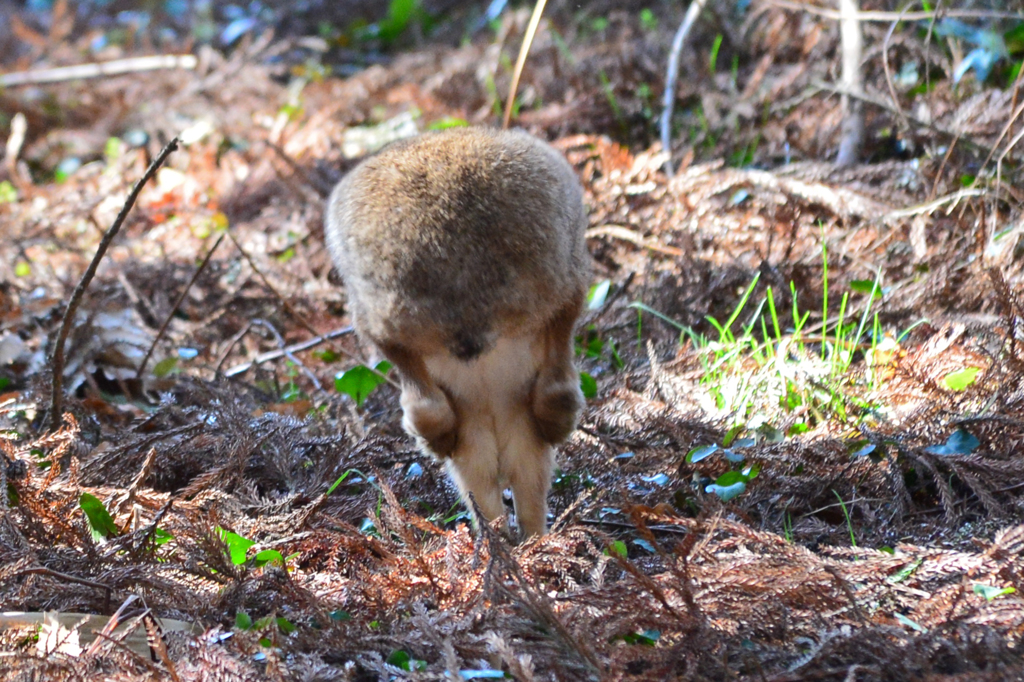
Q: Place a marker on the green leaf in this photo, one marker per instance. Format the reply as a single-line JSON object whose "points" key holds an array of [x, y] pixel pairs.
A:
{"points": [[448, 122], [648, 21], [960, 442], [100, 522], [327, 355], [112, 150], [339, 481], [243, 621], [990, 593], [588, 385], [401, 659], [285, 625], [866, 286], [164, 367], [360, 381], [731, 434], [286, 255], [905, 572], [617, 548], [961, 379], [237, 546], [268, 556], [8, 194], [22, 269], [400, 13], [162, 537]]}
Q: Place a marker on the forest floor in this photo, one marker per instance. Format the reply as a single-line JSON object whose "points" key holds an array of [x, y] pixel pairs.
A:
{"points": [[800, 457]]}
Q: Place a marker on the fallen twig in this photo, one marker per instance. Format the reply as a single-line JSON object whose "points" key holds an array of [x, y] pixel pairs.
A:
{"points": [[116, 67], [57, 358], [67, 577], [628, 235], [897, 16], [288, 350], [177, 304], [669, 99]]}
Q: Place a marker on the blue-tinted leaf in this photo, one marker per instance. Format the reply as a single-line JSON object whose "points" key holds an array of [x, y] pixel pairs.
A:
{"points": [[483, 674], [643, 544], [909, 623], [701, 452], [960, 442], [236, 29], [598, 294], [728, 492], [657, 479], [990, 593], [732, 456], [864, 451]]}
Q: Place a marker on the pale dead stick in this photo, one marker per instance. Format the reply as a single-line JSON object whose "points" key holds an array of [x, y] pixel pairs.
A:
{"points": [[177, 304], [57, 358], [531, 31], [669, 97], [116, 67]]}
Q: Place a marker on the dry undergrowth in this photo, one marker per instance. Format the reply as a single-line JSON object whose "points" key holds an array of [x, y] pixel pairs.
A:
{"points": [[645, 575]]}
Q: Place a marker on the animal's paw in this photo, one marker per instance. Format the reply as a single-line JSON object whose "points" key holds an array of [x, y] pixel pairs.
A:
{"points": [[557, 402], [431, 421]]}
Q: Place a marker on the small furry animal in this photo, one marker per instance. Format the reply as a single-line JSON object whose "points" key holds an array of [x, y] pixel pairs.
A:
{"points": [[464, 259]]}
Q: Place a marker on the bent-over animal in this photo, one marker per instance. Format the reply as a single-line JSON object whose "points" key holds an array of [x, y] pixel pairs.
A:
{"points": [[464, 260]]}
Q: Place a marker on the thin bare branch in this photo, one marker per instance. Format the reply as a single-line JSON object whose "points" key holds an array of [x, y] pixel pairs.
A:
{"points": [[57, 357], [669, 99], [177, 304]]}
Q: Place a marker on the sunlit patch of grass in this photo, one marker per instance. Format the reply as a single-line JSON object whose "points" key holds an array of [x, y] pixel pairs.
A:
{"points": [[756, 372]]}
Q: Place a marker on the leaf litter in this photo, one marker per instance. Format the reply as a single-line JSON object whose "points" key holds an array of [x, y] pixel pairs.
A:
{"points": [[285, 521]]}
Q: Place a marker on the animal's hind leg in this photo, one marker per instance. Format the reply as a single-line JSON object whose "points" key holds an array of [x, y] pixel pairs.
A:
{"points": [[474, 468], [427, 412], [557, 400], [529, 470]]}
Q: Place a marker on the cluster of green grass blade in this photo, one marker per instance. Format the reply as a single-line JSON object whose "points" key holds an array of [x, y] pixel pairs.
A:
{"points": [[755, 370]]}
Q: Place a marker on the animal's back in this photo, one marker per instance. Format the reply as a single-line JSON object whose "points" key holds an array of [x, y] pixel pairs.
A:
{"points": [[458, 238]]}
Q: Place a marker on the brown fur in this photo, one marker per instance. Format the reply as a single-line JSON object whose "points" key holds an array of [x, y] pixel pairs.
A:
{"points": [[448, 244]]}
